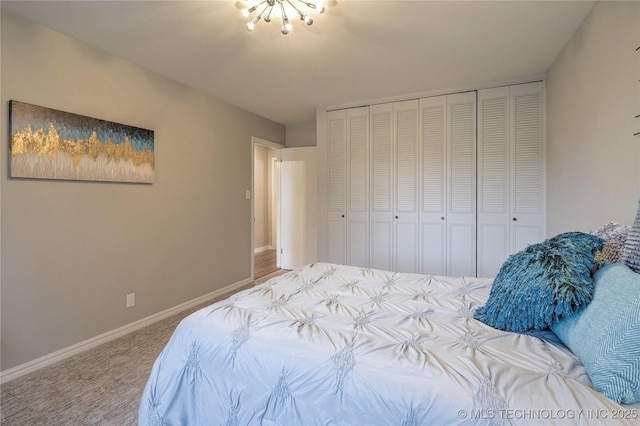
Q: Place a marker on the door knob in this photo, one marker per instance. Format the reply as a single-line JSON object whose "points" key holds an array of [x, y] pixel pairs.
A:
{"points": [[515, 219]]}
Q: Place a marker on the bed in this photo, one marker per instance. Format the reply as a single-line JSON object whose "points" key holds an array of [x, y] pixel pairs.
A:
{"points": [[331, 344]]}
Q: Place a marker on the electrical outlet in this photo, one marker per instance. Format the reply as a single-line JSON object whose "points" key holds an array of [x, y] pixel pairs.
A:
{"points": [[131, 300]]}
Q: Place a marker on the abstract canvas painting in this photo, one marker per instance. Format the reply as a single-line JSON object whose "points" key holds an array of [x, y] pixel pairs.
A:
{"points": [[51, 144]]}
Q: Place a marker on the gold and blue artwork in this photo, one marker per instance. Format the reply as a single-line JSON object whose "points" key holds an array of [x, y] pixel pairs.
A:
{"points": [[51, 144]]}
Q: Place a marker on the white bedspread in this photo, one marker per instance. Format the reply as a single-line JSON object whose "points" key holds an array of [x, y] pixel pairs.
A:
{"points": [[339, 345]]}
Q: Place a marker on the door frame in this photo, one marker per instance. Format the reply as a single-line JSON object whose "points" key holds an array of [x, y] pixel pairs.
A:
{"points": [[269, 144]]}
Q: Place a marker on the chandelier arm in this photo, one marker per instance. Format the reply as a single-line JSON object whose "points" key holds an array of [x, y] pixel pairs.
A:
{"points": [[264, 10], [319, 7], [283, 12], [300, 14], [255, 7], [268, 17], [286, 26]]}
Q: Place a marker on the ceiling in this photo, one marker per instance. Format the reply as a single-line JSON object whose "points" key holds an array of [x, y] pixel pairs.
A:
{"points": [[356, 51]]}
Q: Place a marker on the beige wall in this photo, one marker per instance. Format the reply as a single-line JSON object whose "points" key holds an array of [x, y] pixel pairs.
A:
{"points": [[71, 251], [262, 202], [593, 159], [302, 134]]}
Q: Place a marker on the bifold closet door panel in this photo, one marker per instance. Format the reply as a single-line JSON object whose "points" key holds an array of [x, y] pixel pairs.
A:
{"points": [[433, 185], [336, 238], [406, 235], [493, 180], [461, 184], [358, 187], [381, 210], [527, 159]]}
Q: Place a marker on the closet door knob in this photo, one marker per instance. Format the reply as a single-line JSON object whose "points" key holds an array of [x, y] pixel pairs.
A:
{"points": [[342, 215], [441, 217], [515, 219], [396, 217]]}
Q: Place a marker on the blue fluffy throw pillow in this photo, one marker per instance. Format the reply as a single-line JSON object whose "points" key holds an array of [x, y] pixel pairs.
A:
{"points": [[542, 284]]}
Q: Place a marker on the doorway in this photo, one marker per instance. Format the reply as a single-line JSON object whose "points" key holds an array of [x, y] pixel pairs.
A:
{"points": [[265, 188], [284, 224]]}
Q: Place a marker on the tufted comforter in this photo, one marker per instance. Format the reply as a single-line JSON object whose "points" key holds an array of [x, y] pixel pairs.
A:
{"points": [[338, 345]]}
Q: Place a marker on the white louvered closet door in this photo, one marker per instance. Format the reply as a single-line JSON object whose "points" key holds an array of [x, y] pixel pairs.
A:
{"points": [[433, 180], [405, 132], [337, 186], [510, 173], [461, 184], [527, 166], [493, 180], [381, 210], [358, 187]]}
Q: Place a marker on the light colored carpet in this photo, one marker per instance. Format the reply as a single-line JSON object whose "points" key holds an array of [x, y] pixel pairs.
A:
{"points": [[101, 386]]}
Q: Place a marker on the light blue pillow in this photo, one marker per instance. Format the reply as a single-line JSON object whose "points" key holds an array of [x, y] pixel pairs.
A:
{"points": [[605, 336]]}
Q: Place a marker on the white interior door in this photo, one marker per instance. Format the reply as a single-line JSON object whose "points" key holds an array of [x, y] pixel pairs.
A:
{"points": [[297, 241]]}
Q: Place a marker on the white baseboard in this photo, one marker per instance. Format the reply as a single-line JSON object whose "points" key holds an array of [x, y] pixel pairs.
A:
{"points": [[36, 364]]}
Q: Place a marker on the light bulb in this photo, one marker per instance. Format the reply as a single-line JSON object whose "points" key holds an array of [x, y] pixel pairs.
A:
{"points": [[245, 13], [321, 8], [308, 19], [286, 28], [250, 26]]}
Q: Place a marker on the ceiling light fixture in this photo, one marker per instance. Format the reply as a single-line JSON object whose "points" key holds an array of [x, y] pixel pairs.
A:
{"points": [[286, 8]]}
